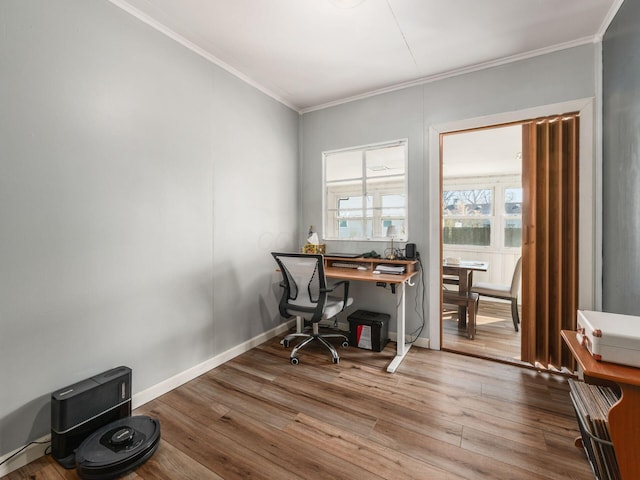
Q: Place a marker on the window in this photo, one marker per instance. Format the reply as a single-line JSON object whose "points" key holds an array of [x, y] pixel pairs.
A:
{"points": [[365, 192], [482, 212], [512, 217], [467, 217]]}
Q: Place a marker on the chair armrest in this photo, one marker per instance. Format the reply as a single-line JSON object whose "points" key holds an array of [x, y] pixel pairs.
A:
{"points": [[345, 284]]}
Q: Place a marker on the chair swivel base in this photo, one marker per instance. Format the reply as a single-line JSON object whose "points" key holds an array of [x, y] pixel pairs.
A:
{"points": [[310, 337]]}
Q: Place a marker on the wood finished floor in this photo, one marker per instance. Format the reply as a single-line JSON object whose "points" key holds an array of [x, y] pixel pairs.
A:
{"points": [[440, 416], [495, 336]]}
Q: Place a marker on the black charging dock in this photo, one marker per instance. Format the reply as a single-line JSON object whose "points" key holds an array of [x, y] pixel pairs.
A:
{"points": [[92, 428]]}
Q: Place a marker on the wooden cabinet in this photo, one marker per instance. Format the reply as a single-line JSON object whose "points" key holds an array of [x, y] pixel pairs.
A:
{"points": [[624, 416]]}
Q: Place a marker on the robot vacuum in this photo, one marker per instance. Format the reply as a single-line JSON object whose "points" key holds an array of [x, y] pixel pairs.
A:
{"points": [[117, 448]]}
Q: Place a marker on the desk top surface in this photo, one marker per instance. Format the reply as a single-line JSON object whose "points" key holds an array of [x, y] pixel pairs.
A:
{"points": [[338, 273]]}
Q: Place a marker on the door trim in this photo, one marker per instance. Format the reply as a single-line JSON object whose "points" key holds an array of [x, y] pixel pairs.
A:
{"points": [[590, 259]]}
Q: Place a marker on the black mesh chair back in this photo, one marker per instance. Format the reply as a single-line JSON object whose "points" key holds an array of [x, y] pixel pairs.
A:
{"points": [[305, 285], [306, 295]]}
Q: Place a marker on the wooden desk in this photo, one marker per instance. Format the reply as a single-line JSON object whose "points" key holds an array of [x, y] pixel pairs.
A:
{"points": [[464, 271], [398, 281], [624, 416]]}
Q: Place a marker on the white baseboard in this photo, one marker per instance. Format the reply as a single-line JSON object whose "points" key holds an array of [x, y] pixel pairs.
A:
{"points": [[36, 451], [181, 378], [420, 341], [33, 452]]}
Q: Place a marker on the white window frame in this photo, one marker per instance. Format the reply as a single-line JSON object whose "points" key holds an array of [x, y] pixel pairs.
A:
{"points": [[508, 216], [330, 196], [498, 184], [490, 217]]}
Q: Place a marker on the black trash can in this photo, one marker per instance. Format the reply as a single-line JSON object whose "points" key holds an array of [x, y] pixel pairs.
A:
{"points": [[369, 330]]}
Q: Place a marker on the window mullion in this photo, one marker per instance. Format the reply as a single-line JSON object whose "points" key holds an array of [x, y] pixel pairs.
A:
{"points": [[365, 182]]}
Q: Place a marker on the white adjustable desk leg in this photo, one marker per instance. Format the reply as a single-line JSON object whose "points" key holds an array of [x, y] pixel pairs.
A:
{"points": [[402, 347]]}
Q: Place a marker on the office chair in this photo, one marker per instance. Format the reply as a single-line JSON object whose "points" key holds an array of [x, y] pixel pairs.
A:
{"points": [[504, 292], [306, 294]]}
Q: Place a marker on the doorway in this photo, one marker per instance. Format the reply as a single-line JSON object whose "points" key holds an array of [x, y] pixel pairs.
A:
{"points": [[589, 262], [482, 228]]}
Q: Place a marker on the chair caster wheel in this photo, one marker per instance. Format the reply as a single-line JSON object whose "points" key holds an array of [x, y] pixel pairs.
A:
{"points": [[336, 360], [345, 344], [285, 343], [294, 361]]}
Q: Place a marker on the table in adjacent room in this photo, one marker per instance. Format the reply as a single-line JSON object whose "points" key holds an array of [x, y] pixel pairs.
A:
{"points": [[464, 272]]}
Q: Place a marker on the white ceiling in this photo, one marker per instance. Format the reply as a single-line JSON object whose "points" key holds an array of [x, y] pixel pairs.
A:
{"points": [[478, 153], [313, 53]]}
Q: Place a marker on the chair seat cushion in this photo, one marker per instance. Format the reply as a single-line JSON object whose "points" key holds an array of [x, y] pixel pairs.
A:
{"points": [[492, 289], [334, 306]]}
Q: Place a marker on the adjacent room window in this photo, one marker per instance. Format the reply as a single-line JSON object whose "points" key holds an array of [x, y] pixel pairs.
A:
{"points": [[512, 217], [483, 212], [365, 192], [467, 217]]}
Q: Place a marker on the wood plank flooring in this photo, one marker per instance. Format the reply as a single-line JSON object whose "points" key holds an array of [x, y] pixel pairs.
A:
{"points": [[440, 416], [495, 336]]}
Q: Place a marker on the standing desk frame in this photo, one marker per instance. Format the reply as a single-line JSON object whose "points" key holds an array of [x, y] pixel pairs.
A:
{"points": [[400, 283]]}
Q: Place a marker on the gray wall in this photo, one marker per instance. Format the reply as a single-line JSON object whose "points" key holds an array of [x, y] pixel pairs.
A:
{"points": [[552, 78], [133, 226], [621, 162]]}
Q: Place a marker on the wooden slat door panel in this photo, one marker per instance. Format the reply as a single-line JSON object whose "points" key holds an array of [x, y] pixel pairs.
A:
{"points": [[550, 243]]}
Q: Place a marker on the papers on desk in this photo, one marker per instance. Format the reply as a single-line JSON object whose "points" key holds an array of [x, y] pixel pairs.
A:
{"points": [[391, 269]]}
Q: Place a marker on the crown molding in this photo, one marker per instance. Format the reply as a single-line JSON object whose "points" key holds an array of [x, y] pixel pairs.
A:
{"points": [[124, 5], [613, 11], [454, 73], [143, 17]]}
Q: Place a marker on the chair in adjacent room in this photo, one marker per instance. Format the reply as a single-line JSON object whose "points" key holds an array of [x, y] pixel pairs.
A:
{"points": [[470, 302], [504, 292], [306, 295]]}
